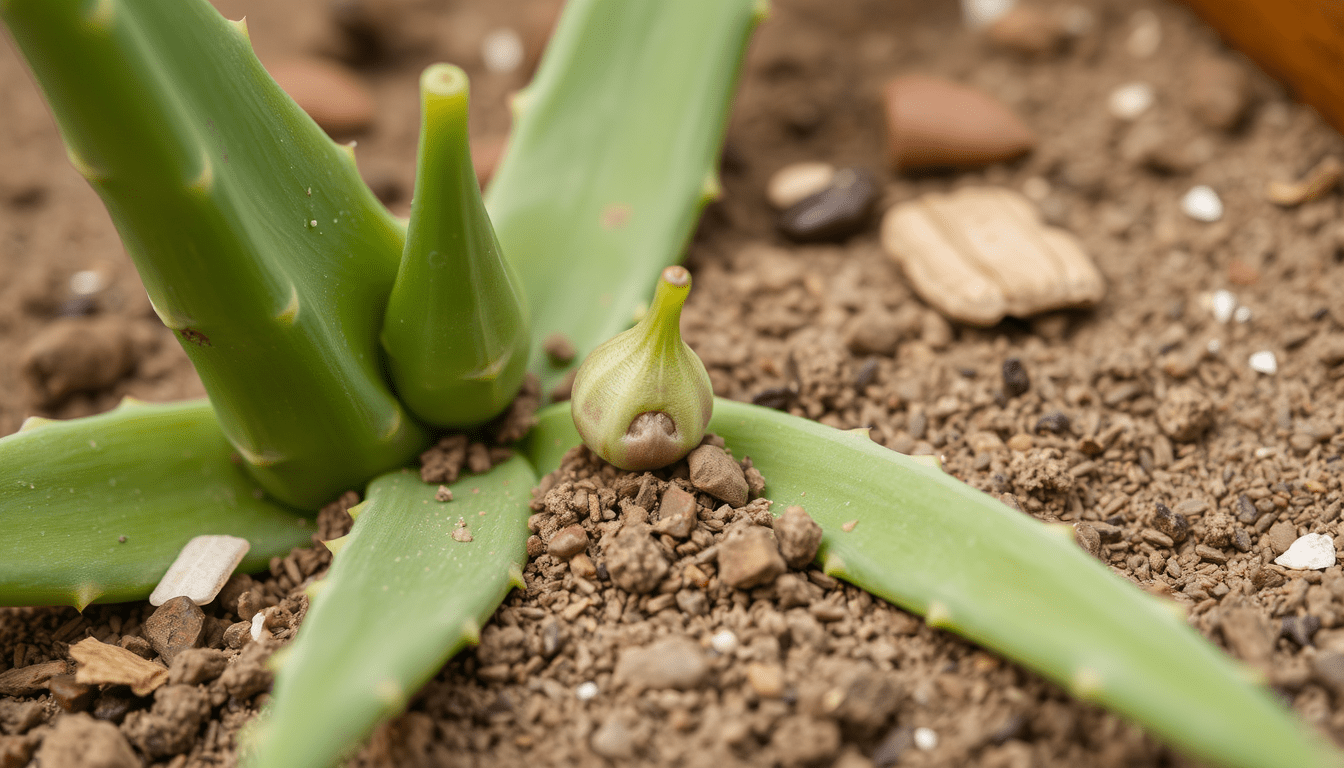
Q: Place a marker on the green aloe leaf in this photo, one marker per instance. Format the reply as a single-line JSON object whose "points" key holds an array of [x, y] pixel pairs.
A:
{"points": [[157, 475], [259, 244], [612, 157], [402, 596], [456, 332], [933, 545]]}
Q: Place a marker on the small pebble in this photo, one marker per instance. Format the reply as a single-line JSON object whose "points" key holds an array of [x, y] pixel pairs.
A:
{"points": [[86, 282], [1314, 551], [1242, 315], [1145, 35], [926, 738], [1224, 304], [1264, 362], [724, 642], [834, 213], [1029, 30], [1201, 203], [798, 181], [559, 349], [1131, 100], [1016, 382], [1036, 189], [444, 493], [502, 51], [982, 13], [259, 626], [587, 691], [461, 532], [1300, 628]]}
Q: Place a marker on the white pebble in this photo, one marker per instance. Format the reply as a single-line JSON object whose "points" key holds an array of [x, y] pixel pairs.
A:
{"points": [[724, 642], [1223, 305], [1242, 315], [926, 738], [1311, 552], [586, 691], [1264, 362], [1145, 35], [502, 51], [1131, 100], [1201, 203], [1214, 346], [86, 282], [1266, 452], [259, 626], [797, 181], [982, 13]]}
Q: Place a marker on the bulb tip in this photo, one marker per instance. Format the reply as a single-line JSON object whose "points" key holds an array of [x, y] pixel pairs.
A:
{"points": [[677, 275]]}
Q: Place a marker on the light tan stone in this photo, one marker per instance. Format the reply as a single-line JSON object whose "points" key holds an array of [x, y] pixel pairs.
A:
{"points": [[982, 253]]}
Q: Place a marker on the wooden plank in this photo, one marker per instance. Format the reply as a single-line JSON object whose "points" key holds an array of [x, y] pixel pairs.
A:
{"points": [[1300, 42]]}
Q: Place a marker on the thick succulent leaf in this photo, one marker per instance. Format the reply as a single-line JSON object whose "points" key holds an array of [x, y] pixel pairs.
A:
{"points": [[156, 475], [259, 244], [402, 596], [935, 546], [612, 157]]}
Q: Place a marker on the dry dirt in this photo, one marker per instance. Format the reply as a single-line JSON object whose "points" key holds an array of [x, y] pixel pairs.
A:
{"points": [[1141, 420]]}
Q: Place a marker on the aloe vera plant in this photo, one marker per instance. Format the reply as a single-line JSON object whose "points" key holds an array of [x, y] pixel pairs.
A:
{"points": [[277, 269]]}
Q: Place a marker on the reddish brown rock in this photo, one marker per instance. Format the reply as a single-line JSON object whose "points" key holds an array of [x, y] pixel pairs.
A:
{"points": [[568, 542], [932, 122]]}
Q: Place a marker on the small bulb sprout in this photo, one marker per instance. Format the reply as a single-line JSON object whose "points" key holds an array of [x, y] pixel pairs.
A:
{"points": [[642, 399]]}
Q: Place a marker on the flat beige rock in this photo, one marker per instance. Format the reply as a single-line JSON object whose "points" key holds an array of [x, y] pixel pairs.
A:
{"points": [[201, 569], [982, 253]]}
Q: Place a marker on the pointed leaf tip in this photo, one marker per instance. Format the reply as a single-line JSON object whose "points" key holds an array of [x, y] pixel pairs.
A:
{"points": [[241, 27], [355, 511], [938, 616], [471, 632], [337, 544], [33, 422]]}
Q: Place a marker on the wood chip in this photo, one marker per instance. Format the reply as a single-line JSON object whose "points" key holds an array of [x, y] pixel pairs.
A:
{"points": [[1319, 180], [201, 569], [982, 253], [31, 679], [103, 664]]}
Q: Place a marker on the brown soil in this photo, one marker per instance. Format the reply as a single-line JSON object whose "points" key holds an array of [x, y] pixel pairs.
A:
{"points": [[1143, 404]]}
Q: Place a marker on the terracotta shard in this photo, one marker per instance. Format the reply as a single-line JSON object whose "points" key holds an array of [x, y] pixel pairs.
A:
{"points": [[933, 122], [982, 253], [103, 664]]}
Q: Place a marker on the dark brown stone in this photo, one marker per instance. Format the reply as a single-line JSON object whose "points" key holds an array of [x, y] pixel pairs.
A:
{"points": [[174, 627]]}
